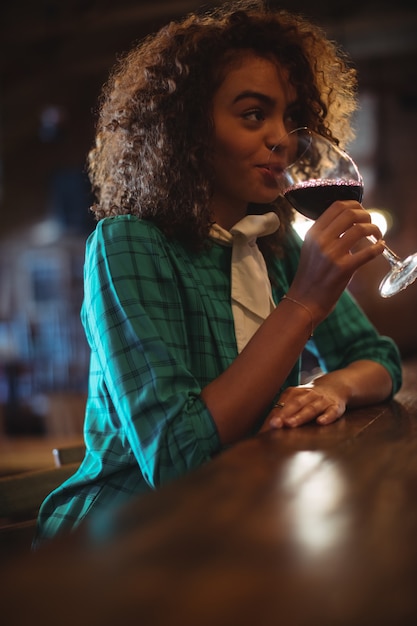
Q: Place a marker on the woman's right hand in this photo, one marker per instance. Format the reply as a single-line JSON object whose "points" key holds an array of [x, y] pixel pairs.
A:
{"points": [[330, 255]]}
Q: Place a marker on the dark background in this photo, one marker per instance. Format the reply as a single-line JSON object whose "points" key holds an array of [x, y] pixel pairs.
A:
{"points": [[55, 56]]}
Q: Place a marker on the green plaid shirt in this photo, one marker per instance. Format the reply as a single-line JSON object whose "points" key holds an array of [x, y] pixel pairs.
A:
{"points": [[159, 322]]}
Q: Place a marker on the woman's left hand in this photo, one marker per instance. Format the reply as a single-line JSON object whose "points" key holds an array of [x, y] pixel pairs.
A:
{"points": [[306, 403]]}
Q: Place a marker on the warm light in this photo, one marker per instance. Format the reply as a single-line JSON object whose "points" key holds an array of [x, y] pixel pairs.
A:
{"points": [[382, 219], [301, 225]]}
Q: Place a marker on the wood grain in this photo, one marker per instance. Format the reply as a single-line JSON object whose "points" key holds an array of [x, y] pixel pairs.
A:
{"points": [[316, 525]]}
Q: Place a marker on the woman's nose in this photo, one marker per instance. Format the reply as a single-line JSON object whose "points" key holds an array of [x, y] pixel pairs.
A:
{"points": [[278, 138], [283, 150]]}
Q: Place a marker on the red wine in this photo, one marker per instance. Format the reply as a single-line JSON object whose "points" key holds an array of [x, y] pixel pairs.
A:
{"points": [[313, 197]]}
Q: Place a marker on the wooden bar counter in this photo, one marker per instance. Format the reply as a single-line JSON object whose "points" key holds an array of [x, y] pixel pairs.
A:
{"points": [[313, 526]]}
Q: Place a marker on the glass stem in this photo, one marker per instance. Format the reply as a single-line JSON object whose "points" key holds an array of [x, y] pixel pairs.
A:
{"points": [[389, 254]]}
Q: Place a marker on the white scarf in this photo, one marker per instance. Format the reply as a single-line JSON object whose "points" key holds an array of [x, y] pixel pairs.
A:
{"points": [[251, 295]]}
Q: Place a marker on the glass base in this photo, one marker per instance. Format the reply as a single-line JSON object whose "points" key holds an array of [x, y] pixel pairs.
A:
{"points": [[400, 277]]}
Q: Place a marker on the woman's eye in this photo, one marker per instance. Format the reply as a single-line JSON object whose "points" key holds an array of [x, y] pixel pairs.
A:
{"points": [[255, 115]]}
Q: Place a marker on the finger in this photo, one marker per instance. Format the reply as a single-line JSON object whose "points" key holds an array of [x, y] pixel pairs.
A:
{"points": [[358, 232], [303, 416], [300, 419], [329, 416], [355, 256], [276, 422], [349, 219], [346, 211], [318, 409]]}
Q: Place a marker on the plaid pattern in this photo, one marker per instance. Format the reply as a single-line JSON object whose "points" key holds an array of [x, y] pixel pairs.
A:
{"points": [[159, 322]]}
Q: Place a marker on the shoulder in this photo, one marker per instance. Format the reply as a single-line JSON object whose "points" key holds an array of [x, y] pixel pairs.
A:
{"points": [[126, 245], [124, 227], [125, 233]]}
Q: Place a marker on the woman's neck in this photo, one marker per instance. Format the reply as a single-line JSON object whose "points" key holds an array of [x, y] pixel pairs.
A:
{"points": [[227, 216]]}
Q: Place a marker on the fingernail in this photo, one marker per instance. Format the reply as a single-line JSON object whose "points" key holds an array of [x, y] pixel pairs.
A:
{"points": [[276, 422]]}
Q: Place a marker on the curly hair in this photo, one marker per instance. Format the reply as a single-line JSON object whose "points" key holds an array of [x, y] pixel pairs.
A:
{"points": [[154, 131]]}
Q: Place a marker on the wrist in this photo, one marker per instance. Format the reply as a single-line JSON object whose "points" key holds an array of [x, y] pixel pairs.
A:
{"points": [[306, 309]]}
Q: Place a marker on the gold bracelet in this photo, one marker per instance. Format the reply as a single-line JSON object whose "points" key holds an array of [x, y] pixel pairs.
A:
{"points": [[285, 297]]}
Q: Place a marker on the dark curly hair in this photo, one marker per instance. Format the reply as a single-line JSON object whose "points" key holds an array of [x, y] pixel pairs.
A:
{"points": [[152, 152]]}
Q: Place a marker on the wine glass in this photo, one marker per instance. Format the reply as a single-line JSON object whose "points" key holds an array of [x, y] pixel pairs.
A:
{"points": [[312, 173]]}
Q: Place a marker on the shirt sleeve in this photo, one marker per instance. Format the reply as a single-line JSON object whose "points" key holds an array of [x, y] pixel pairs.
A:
{"points": [[347, 335], [137, 330]]}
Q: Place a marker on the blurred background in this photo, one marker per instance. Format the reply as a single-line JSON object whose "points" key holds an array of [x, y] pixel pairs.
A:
{"points": [[55, 56]]}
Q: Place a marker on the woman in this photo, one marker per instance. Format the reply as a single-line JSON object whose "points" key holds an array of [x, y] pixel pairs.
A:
{"points": [[183, 361]]}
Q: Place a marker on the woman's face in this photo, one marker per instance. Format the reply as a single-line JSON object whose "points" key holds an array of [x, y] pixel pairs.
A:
{"points": [[253, 109]]}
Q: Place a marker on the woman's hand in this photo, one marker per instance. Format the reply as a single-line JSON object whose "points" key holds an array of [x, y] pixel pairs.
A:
{"points": [[306, 403], [330, 255], [324, 400]]}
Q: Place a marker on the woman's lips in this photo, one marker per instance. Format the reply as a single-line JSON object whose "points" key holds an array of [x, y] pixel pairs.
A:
{"points": [[269, 170], [276, 169]]}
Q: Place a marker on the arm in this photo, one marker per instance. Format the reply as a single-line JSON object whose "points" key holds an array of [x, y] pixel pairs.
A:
{"points": [[143, 389], [359, 367], [326, 264], [326, 398], [361, 382]]}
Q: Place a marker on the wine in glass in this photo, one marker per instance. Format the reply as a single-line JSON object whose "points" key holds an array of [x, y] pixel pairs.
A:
{"points": [[318, 174]]}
